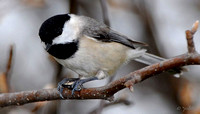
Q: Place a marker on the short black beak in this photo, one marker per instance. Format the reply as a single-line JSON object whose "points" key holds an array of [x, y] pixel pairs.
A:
{"points": [[48, 46]]}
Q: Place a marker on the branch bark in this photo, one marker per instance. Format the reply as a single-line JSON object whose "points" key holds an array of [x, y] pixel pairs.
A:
{"points": [[107, 92]]}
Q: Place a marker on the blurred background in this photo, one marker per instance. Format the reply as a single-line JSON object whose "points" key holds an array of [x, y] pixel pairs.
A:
{"points": [[24, 64]]}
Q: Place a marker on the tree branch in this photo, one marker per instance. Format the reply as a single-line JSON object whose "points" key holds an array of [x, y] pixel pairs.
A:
{"points": [[107, 92]]}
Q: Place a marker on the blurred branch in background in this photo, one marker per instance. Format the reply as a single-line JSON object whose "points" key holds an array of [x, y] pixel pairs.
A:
{"points": [[105, 12], [5, 76], [150, 30], [107, 92], [122, 100], [185, 92], [34, 3], [9, 66], [73, 6]]}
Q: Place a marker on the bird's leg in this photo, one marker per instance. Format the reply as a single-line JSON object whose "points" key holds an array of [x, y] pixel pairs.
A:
{"points": [[75, 84], [66, 83], [78, 84]]}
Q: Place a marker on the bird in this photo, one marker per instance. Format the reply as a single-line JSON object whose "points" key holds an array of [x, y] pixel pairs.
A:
{"points": [[89, 48]]}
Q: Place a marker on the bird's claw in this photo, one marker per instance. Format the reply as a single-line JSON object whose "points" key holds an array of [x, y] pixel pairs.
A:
{"points": [[75, 84], [60, 89], [67, 83]]}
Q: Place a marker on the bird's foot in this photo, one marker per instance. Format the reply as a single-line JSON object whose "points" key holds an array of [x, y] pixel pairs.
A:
{"points": [[66, 83], [75, 84]]}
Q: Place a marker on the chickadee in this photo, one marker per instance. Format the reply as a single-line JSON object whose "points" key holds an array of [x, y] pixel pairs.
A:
{"points": [[89, 48]]}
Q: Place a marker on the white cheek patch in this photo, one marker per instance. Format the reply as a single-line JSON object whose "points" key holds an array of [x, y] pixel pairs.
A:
{"points": [[62, 39], [69, 34]]}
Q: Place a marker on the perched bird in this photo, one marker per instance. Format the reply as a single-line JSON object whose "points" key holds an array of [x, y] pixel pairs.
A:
{"points": [[89, 48]]}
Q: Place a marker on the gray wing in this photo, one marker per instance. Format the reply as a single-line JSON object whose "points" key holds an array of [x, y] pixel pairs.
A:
{"points": [[103, 33]]}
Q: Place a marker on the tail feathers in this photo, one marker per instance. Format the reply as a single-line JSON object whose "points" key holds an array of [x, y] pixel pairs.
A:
{"points": [[149, 59]]}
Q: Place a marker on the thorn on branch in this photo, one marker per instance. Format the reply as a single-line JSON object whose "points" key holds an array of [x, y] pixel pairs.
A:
{"points": [[131, 88], [129, 85], [135, 78]]}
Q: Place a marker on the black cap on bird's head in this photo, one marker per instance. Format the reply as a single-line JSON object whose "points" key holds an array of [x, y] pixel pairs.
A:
{"points": [[52, 28]]}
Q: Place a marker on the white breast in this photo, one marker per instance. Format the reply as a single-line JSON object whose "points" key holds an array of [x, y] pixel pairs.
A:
{"points": [[93, 56]]}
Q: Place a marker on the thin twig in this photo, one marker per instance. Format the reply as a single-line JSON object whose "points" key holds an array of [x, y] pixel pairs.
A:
{"points": [[189, 37], [105, 92]]}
